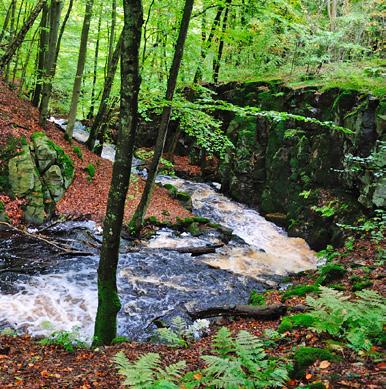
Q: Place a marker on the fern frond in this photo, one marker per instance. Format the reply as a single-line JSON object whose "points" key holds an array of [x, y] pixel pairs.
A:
{"points": [[140, 374], [248, 345], [172, 372], [223, 342]]}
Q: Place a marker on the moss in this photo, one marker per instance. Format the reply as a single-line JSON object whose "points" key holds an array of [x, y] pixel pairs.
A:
{"points": [[329, 273], [299, 290], [78, 152], [315, 385], [306, 356], [63, 160], [194, 219], [194, 229], [300, 320], [90, 170], [183, 196], [120, 339], [357, 286], [37, 135], [339, 287], [171, 189], [256, 298]]}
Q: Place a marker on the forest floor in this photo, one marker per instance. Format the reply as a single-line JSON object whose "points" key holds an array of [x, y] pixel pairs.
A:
{"points": [[25, 363]]}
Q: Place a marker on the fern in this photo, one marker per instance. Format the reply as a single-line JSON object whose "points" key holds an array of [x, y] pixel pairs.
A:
{"points": [[242, 362], [223, 342], [360, 321], [147, 373]]}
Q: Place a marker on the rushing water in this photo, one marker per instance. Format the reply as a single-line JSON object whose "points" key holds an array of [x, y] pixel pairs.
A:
{"points": [[39, 285]]}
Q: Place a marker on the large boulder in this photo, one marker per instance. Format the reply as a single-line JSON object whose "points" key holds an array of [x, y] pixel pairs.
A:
{"points": [[40, 173]]}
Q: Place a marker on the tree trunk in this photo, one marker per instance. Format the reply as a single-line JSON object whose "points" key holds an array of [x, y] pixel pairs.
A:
{"points": [[43, 43], [103, 106], [217, 61], [94, 79], [207, 44], [79, 69], [62, 28], [18, 40], [112, 34], [7, 19], [108, 299], [137, 220], [55, 12]]}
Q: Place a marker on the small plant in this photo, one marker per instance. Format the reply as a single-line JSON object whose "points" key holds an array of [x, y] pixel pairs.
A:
{"points": [[329, 273], [360, 322], [147, 373], [256, 298], [78, 152], [69, 340], [179, 334], [299, 290], [326, 210], [300, 320], [90, 170], [8, 332], [238, 362]]}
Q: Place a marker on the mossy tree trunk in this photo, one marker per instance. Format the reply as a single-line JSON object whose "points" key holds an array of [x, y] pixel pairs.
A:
{"points": [[79, 69], [108, 299], [137, 220]]}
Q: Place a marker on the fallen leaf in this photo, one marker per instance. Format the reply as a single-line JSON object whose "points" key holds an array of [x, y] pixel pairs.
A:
{"points": [[324, 364], [308, 376], [44, 373]]}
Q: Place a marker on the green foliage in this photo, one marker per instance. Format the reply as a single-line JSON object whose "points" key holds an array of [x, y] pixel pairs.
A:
{"points": [[329, 253], [8, 151], [299, 320], [8, 332], [256, 298], [78, 152], [147, 373], [306, 356], [237, 362], [120, 339], [63, 159], [329, 273], [90, 170], [360, 322], [69, 340], [299, 290], [241, 362]]}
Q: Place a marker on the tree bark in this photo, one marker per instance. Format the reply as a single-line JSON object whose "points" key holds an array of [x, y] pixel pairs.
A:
{"points": [[7, 19], [206, 45], [79, 70], [18, 40], [55, 12], [43, 43], [268, 312], [94, 78], [112, 34], [217, 61], [103, 106], [137, 220], [108, 299]]}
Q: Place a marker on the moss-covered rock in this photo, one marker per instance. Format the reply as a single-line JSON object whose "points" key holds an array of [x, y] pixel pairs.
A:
{"points": [[306, 356], [41, 172]]}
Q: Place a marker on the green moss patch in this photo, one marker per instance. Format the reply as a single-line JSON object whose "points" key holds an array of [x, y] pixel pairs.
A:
{"points": [[306, 356], [300, 320], [299, 290]]}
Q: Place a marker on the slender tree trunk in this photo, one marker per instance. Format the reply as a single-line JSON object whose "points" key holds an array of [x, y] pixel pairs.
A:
{"points": [[207, 44], [18, 40], [137, 220], [79, 70], [94, 78], [217, 61], [26, 62], [145, 37], [108, 299], [41, 55], [11, 34], [62, 28], [100, 117], [6, 20], [50, 66], [112, 33]]}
